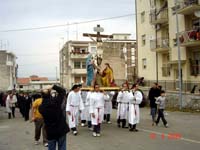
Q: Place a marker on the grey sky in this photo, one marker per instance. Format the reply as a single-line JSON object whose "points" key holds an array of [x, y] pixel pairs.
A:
{"points": [[37, 50]]}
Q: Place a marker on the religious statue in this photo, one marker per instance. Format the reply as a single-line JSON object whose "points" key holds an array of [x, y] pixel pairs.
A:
{"points": [[90, 70], [107, 76]]}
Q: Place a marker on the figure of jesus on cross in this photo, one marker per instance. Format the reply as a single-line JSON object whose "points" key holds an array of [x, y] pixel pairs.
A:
{"points": [[94, 62]]}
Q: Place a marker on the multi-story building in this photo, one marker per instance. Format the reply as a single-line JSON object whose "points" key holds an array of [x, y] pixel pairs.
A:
{"points": [[119, 52], [157, 41], [73, 62], [8, 70]]}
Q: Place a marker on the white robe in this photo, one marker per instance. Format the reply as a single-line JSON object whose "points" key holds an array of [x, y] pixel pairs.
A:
{"points": [[123, 104], [97, 100], [134, 110], [10, 102], [108, 103], [74, 104], [84, 111]]}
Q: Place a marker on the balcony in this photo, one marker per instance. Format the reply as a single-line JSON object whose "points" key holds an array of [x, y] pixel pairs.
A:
{"points": [[79, 71], [188, 7], [189, 38], [158, 16], [159, 45], [78, 54]]}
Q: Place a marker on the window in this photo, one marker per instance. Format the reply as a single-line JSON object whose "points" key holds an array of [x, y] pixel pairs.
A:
{"points": [[83, 64], [142, 16], [195, 64], [166, 70], [144, 63], [165, 65], [77, 64], [143, 40]]}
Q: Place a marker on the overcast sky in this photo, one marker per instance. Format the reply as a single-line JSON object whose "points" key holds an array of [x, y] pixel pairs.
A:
{"points": [[38, 50]]}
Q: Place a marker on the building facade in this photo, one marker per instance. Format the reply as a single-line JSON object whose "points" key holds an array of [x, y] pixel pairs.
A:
{"points": [[33, 83], [8, 70], [119, 52], [158, 46]]}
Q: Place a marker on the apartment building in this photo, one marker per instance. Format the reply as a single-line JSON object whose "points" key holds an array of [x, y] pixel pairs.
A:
{"points": [[157, 41], [73, 62], [119, 52], [8, 70]]}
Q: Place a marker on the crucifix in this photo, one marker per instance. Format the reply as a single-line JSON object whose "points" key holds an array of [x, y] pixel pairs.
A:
{"points": [[97, 58], [99, 37]]}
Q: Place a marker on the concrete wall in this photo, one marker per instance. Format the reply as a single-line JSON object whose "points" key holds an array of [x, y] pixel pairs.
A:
{"points": [[189, 101]]}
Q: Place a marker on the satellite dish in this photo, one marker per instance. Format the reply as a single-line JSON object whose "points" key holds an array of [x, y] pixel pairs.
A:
{"points": [[197, 13]]}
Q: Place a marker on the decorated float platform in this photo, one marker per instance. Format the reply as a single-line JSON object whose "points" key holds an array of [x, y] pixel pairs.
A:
{"points": [[89, 88]]}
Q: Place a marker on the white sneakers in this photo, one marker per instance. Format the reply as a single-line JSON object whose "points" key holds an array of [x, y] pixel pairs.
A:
{"points": [[75, 132], [109, 122], [82, 124], [94, 134], [45, 144]]}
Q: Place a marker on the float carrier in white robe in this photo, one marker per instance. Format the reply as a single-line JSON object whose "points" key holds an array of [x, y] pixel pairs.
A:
{"points": [[134, 110], [97, 100], [74, 105]]}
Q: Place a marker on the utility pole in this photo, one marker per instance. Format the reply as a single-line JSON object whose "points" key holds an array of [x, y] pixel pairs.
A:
{"points": [[179, 58], [56, 75]]}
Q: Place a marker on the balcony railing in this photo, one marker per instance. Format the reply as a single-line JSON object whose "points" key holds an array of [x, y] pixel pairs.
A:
{"points": [[190, 38], [158, 16], [79, 71], [78, 54], [187, 7], [159, 44]]}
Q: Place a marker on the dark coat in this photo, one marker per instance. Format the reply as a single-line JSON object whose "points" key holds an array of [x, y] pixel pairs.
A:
{"points": [[153, 92], [54, 119]]}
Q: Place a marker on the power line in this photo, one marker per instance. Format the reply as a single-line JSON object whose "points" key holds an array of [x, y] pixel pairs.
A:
{"points": [[69, 24], [76, 23]]}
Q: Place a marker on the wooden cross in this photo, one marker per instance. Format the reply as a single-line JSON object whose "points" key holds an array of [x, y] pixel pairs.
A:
{"points": [[98, 36]]}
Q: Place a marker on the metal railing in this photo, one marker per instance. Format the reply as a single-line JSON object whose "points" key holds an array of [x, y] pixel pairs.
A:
{"points": [[186, 3], [158, 15], [159, 43], [189, 36], [172, 85]]}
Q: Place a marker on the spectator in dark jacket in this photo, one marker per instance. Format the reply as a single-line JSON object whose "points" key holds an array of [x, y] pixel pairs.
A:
{"points": [[153, 93], [56, 126]]}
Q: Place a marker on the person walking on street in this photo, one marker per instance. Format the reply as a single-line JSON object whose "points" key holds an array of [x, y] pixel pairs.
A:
{"points": [[39, 122], [160, 101], [97, 101], [154, 92], [134, 109], [108, 108], [73, 107], [55, 122], [123, 105], [11, 101], [27, 105]]}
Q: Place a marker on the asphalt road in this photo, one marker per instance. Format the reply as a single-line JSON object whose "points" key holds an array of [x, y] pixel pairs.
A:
{"points": [[182, 134]]}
